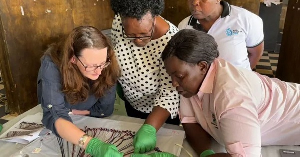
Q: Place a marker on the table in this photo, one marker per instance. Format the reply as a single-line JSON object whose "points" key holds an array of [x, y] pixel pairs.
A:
{"points": [[7, 148]]}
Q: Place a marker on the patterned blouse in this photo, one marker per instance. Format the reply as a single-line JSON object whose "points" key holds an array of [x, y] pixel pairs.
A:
{"points": [[144, 78]]}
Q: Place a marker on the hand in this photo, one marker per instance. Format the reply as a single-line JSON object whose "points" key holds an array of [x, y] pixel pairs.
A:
{"points": [[145, 139], [157, 154], [80, 112], [97, 148]]}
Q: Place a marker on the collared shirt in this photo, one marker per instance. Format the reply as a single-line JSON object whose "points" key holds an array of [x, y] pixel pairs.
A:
{"points": [[144, 79], [234, 31], [244, 110], [54, 103]]}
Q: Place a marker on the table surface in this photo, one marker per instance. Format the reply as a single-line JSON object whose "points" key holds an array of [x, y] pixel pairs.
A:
{"points": [[7, 148]]}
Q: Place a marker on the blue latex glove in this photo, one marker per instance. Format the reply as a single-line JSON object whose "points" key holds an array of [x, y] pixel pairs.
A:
{"points": [[97, 148], [157, 154], [145, 139]]}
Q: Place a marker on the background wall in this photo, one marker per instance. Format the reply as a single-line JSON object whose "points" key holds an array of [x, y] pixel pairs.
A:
{"points": [[251, 5]]}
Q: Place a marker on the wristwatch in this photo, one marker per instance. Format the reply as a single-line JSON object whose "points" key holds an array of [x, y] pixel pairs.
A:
{"points": [[82, 140]]}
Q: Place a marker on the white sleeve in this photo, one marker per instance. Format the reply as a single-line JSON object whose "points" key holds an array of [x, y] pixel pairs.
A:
{"points": [[167, 97], [184, 23], [255, 31]]}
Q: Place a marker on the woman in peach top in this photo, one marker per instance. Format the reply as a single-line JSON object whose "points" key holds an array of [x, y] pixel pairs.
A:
{"points": [[240, 109]]}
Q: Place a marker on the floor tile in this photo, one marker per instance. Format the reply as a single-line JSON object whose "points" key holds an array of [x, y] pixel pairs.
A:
{"points": [[264, 60], [273, 58], [274, 64], [264, 57], [264, 71], [264, 63], [274, 68], [273, 54], [267, 65], [263, 67], [273, 61]]}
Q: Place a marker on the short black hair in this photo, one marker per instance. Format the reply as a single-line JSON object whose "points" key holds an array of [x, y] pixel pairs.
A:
{"points": [[137, 8], [192, 46]]}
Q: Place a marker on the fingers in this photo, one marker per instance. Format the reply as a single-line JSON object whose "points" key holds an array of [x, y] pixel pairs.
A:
{"points": [[136, 145], [137, 149], [135, 155], [113, 152], [134, 139], [114, 147], [140, 147], [143, 149], [139, 155]]}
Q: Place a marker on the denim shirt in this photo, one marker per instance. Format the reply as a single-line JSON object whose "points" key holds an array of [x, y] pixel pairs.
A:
{"points": [[54, 103]]}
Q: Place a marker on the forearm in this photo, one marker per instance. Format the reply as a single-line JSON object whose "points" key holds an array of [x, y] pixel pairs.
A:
{"points": [[81, 112], [69, 131], [197, 137], [157, 117], [200, 140], [253, 59], [254, 54]]}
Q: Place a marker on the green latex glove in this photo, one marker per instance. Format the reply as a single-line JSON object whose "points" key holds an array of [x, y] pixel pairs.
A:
{"points": [[145, 139], [97, 148], [1, 127], [157, 154]]}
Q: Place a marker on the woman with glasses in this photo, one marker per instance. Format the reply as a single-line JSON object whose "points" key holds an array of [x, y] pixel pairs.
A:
{"points": [[79, 75], [139, 35]]}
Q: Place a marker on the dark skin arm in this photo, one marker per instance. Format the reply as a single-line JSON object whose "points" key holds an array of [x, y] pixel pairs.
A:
{"points": [[254, 54], [199, 139], [157, 117]]}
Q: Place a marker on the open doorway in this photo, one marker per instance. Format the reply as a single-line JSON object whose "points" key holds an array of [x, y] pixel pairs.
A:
{"points": [[273, 17]]}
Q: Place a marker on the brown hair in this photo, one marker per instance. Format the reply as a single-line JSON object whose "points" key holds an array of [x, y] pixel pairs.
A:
{"points": [[75, 86]]}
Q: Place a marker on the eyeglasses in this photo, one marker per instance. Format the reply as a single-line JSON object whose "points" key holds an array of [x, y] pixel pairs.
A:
{"points": [[93, 68], [140, 38]]}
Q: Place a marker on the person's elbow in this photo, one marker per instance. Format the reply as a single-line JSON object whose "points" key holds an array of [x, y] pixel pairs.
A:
{"points": [[49, 119], [111, 110]]}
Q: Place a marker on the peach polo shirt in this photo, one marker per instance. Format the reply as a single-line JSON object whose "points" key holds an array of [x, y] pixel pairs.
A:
{"points": [[244, 110]]}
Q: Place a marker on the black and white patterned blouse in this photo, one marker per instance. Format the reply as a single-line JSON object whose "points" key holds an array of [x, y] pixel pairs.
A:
{"points": [[144, 78]]}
